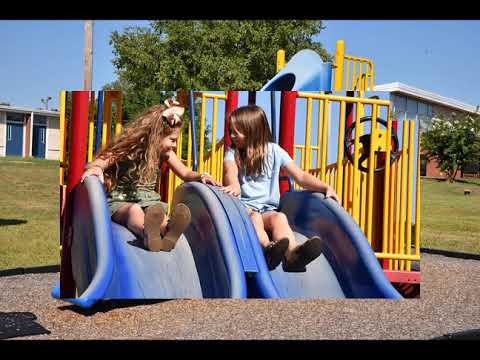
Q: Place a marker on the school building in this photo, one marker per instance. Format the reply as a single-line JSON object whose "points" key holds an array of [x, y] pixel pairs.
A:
{"points": [[412, 103], [29, 132]]}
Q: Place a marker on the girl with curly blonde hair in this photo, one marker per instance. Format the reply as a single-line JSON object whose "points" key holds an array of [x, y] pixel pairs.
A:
{"points": [[129, 167]]}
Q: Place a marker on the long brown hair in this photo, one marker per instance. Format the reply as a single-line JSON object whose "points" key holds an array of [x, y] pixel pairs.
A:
{"points": [[252, 122], [138, 145]]}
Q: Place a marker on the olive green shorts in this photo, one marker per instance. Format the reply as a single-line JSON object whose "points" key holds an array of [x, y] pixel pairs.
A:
{"points": [[114, 205]]}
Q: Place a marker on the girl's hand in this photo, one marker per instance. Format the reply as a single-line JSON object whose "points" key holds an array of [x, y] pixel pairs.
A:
{"points": [[95, 170], [230, 191], [330, 193], [207, 179]]}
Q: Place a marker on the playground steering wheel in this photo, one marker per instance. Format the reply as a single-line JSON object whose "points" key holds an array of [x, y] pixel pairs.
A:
{"points": [[365, 141]]}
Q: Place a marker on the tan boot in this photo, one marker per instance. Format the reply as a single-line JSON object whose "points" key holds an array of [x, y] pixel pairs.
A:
{"points": [[154, 216], [179, 221]]}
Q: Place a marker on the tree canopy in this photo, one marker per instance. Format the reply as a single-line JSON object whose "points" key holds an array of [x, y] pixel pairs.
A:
{"points": [[453, 142], [204, 55]]}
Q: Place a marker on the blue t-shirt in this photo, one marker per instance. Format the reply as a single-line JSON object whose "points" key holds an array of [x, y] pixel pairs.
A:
{"points": [[262, 193]]}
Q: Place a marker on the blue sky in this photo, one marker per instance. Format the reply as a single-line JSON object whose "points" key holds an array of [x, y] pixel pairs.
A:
{"points": [[39, 58]]}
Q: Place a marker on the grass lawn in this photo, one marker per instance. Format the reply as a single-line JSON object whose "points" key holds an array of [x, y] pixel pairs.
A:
{"points": [[451, 220], [29, 212]]}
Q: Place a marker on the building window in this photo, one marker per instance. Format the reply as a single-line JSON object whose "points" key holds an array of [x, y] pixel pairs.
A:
{"points": [[412, 109], [422, 108], [17, 117], [399, 103], [39, 119]]}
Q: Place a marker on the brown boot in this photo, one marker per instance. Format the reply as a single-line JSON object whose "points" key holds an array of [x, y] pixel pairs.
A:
{"points": [[179, 221], [154, 216], [303, 255]]}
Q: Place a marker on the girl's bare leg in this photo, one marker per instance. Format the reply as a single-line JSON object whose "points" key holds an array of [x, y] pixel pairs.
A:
{"points": [[132, 217], [277, 224], [258, 223]]}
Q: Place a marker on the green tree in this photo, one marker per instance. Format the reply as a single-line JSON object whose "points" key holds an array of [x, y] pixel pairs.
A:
{"points": [[206, 55], [453, 142]]}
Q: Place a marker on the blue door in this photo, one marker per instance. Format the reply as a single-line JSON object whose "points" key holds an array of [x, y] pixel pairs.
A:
{"points": [[39, 141], [14, 139]]}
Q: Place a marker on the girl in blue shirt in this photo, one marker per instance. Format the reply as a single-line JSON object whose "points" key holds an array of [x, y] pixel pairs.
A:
{"points": [[251, 172]]}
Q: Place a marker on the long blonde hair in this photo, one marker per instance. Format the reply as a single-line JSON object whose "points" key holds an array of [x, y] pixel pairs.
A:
{"points": [[138, 144], [252, 122]]}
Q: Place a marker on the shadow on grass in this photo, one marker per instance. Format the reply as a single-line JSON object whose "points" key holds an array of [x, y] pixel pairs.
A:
{"points": [[5, 222], [105, 306]]}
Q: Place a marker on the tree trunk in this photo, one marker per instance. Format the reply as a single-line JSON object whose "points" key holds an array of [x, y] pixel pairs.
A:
{"points": [[453, 174]]}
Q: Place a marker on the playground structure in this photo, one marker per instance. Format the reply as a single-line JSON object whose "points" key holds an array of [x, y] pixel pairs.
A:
{"points": [[376, 194]]}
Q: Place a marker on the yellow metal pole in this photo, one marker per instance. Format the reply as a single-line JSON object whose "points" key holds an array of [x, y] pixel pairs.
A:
{"points": [[386, 193], [372, 77], [178, 181], [280, 60], [319, 130], [107, 114], [356, 175], [341, 135], [347, 76], [302, 156], [408, 229], [391, 213], [213, 162], [339, 60], [202, 135], [308, 162], [324, 139], [348, 99], [91, 110], [63, 103], [403, 191], [351, 172], [401, 257], [363, 201], [417, 201], [371, 168], [118, 113], [398, 197], [354, 76]]}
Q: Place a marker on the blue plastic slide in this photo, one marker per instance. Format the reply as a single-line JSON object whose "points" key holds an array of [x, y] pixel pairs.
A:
{"points": [[305, 71], [108, 261], [347, 267]]}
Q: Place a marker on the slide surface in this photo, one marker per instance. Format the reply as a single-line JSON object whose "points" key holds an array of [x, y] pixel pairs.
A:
{"points": [[347, 267], [108, 262]]}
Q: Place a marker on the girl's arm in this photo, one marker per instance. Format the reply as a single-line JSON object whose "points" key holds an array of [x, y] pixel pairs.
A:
{"points": [[96, 167], [230, 178], [185, 173], [310, 182]]}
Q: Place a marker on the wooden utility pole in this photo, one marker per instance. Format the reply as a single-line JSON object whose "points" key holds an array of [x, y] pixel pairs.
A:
{"points": [[87, 55]]}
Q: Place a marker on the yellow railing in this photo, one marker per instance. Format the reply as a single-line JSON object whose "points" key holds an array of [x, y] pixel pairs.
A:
{"points": [[212, 162], [357, 190], [352, 72], [108, 98]]}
